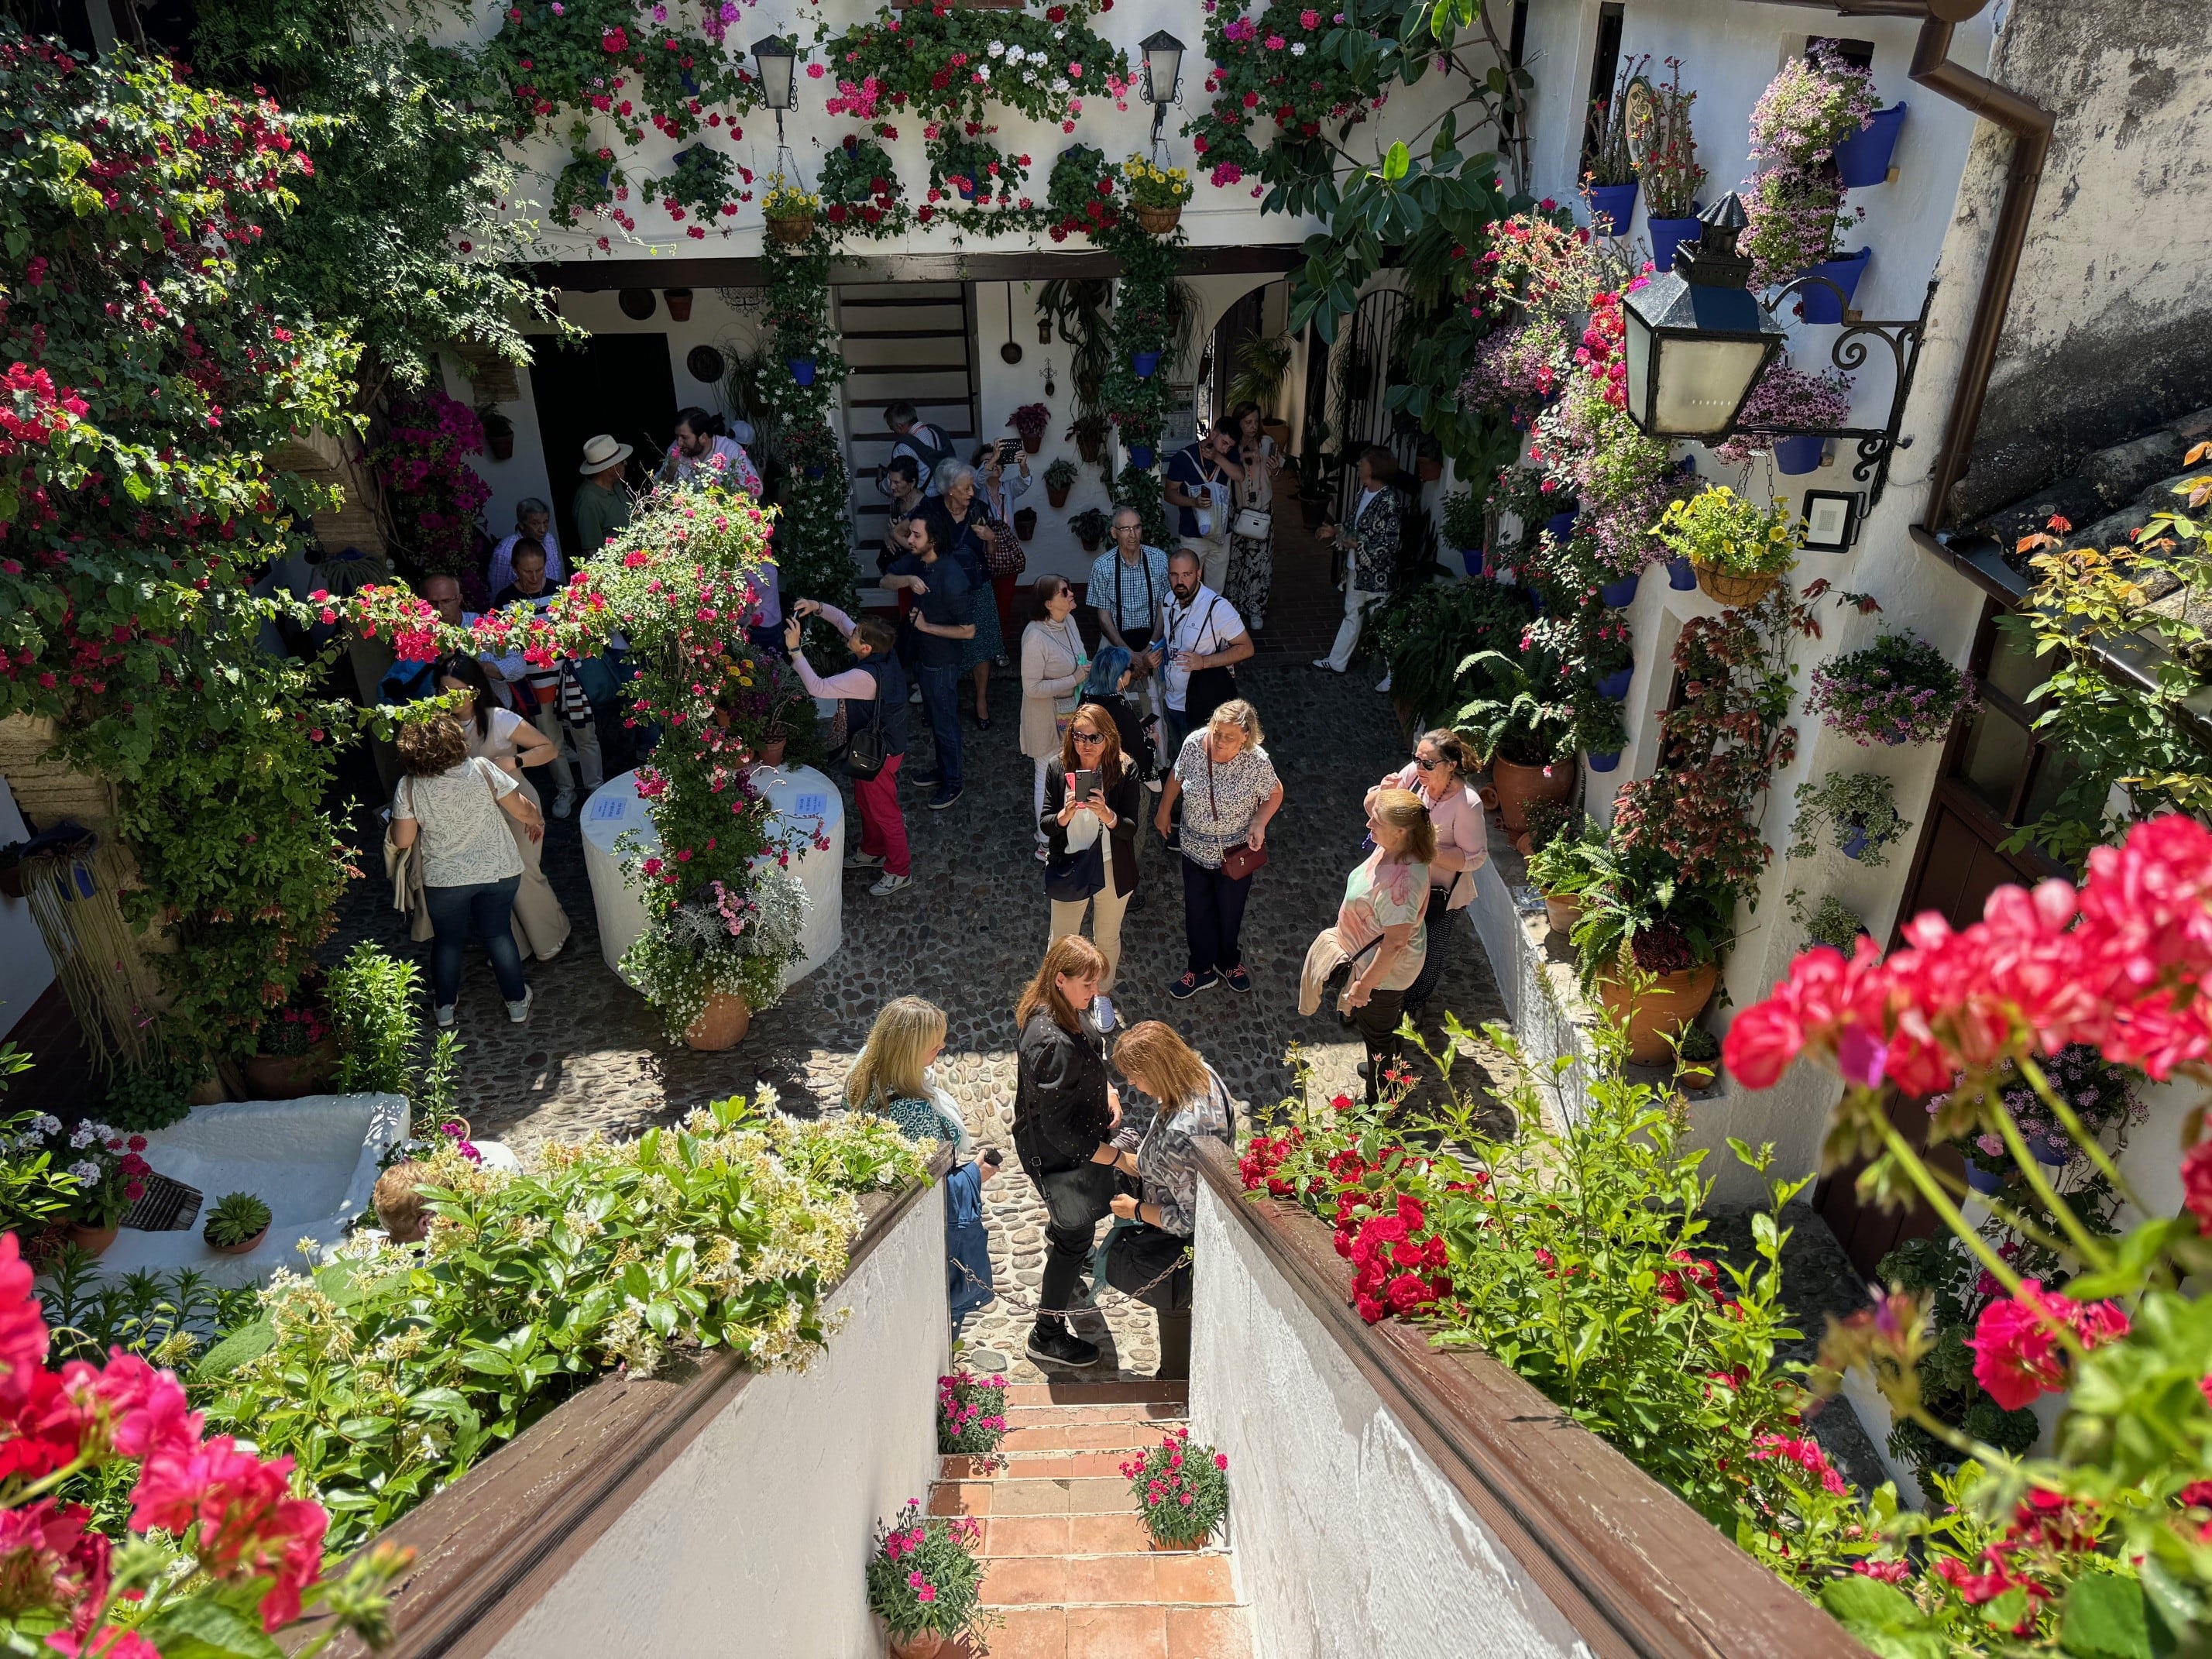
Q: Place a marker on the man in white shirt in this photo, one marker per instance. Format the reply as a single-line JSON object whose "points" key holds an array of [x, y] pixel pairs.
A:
{"points": [[533, 522], [1201, 638]]}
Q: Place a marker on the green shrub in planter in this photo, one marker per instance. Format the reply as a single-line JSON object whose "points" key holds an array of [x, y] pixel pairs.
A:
{"points": [[1855, 810], [1427, 633], [236, 1218], [1464, 520], [1830, 922]]}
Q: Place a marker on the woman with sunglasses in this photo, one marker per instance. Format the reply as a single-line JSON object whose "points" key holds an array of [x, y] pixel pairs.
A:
{"points": [[1113, 808], [1053, 666], [1438, 774]]}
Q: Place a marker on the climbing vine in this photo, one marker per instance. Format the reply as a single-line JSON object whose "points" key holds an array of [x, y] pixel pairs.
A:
{"points": [[798, 380], [1142, 329]]}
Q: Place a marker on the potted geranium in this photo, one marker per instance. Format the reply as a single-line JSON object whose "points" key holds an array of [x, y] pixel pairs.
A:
{"points": [[237, 1225], [1522, 728], [1738, 549], [298, 1053], [1031, 421], [1155, 194], [926, 1584], [1182, 1490], [1059, 479], [1089, 527], [1899, 690], [788, 210], [108, 1171], [1857, 810], [1464, 520], [1784, 401]]}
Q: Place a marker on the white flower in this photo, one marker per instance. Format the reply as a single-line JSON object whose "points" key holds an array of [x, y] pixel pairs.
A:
{"points": [[1298, 48], [998, 48], [1016, 55], [1029, 77], [982, 72], [87, 1173], [1060, 83], [48, 1125], [82, 1136]]}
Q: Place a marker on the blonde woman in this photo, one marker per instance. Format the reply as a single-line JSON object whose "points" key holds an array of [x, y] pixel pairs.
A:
{"points": [[1109, 817], [1066, 1112], [891, 1078], [1053, 667], [1192, 1101], [1228, 792], [1381, 928]]}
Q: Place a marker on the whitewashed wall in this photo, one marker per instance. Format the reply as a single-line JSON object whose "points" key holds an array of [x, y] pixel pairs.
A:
{"points": [[754, 1542], [25, 969], [1349, 1539]]}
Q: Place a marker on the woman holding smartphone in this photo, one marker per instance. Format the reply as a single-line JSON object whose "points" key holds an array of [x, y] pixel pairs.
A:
{"points": [[1093, 795], [999, 490]]}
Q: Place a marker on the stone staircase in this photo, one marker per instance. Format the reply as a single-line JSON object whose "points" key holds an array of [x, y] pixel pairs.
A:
{"points": [[1068, 1569]]}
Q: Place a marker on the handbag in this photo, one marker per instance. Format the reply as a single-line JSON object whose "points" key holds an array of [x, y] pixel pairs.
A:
{"points": [[1002, 551], [1076, 876], [865, 754], [1254, 524], [1240, 860]]}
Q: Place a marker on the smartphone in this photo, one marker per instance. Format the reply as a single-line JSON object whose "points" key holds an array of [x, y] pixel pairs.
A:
{"points": [[1008, 448], [1086, 783]]}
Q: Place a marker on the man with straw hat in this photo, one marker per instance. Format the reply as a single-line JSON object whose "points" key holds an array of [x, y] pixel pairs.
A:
{"points": [[602, 505]]}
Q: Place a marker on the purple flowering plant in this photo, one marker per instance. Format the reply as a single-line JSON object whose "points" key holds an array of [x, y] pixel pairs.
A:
{"points": [[1786, 400], [1899, 690], [1794, 201]]}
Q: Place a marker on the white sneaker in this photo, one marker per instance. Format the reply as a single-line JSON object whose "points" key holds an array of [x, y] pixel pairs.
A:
{"points": [[446, 1015], [520, 1012], [1323, 662], [1385, 685], [887, 884], [1152, 784], [1102, 1010], [563, 805], [864, 860]]}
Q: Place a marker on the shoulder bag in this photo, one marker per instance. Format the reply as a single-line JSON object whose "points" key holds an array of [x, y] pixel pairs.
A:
{"points": [[1077, 873], [1240, 860], [1002, 549], [1207, 688], [1253, 522], [864, 750]]}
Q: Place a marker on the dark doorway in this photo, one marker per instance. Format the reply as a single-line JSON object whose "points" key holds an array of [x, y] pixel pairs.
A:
{"points": [[613, 383], [1996, 776], [1240, 323]]}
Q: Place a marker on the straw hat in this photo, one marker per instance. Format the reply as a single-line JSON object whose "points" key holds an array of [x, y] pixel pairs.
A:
{"points": [[602, 453]]}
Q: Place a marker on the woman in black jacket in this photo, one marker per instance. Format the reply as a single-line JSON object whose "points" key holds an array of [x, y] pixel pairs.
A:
{"points": [[1109, 816], [1065, 1110]]}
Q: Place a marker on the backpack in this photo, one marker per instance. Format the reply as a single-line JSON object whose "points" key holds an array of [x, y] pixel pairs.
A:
{"points": [[407, 682], [927, 455]]}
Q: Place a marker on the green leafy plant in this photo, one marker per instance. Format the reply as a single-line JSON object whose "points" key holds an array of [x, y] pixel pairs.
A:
{"points": [[924, 1578], [1899, 690], [36, 1192], [146, 1100], [1855, 810], [1523, 717], [1263, 363], [1089, 526], [1599, 727], [1571, 861], [372, 999], [235, 1217], [1830, 922], [1547, 819], [726, 1231], [1638, 916], [860, 190], [1697, 1046], [1182, 1489], [1722, 531], [166, 1318], [1427, 632], [1465, 520], [1061, 474]]}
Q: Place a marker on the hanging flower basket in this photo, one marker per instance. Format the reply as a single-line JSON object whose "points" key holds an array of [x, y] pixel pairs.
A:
{"points": [[1145, 363], [791, 228], [1733, 591], [802, 369], [1158, 220]]}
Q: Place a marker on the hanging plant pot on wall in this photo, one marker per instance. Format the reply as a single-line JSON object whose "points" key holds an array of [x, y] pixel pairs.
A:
{"points": [[1026, 522], [1140, 457], [1863, 159], [802, 369], [1667, 235], [1145, 363], [1620, 594], [1615, 685], [791, 228], [1612, 206], [1799, 455], [1818, 305], [1680, 576], [680, 304]]}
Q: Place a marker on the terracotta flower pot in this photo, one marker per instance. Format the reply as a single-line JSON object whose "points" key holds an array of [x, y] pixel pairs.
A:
{"points": [[1163, 1547], [1562, 911], [1278, 430], [1056, 495], [1669, 1001], [680, 304], [930, 1645], [1026, 522], [1733, 591], [722, 1023], [1695, 1074], [287, 1077], [242, 1248], [770, 752], [1090, 446], [1158, 220], [791, 228], [1032, 442], [92, 1241], [1517, 785]]}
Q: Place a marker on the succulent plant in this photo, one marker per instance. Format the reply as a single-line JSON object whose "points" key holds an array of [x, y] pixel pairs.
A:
{"points": [[236, 1218]]}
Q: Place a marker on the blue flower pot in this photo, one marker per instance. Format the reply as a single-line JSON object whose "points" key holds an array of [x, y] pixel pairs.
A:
{"points": [[1667, 235], [1680, 575], [1819, 305], [1140, 457], [2040, 1149], [1605, 763], [1562, 525], [1800, 454], [1855, 842], [691, 88], [1619, 595], [1612, 206], [1472, 558], [1982, 1181], [813, 471], [1145, 363], [1615, 684], [962, 187], [802, 369], [1537, 600], [1863, 159]]}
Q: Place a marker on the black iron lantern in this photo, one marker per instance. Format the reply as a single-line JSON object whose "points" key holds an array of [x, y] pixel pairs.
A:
{"points": [[1698, 340], [776, 60], [1162, 74]]}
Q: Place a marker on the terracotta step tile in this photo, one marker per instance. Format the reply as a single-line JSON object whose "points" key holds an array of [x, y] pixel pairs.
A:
{"points": [[1135, 1390], [1100, 1464], [1029, 1580], [961, 1498], [959, 1466], [1059, 1496], [1094, 1580], [1193, 1578], [1028, 1498], [1157, 1412], [1106, 1535], [1116, 1633], [1109, 1497], [1030, 1633], [1111, 1436], [1201, 1633], [1029, 1534]]}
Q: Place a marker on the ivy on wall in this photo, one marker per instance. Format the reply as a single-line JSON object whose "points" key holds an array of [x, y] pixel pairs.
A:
{"points": [[798, 380]]}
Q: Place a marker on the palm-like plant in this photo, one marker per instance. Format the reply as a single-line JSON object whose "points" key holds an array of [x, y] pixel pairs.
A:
{"points": [[1528, 716]]}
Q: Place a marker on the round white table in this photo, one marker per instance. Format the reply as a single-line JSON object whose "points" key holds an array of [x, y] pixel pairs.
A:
{"points": [[802, 802]]}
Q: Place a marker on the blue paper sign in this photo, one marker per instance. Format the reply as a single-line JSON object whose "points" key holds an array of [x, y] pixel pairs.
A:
{"points": [[814, 805]]}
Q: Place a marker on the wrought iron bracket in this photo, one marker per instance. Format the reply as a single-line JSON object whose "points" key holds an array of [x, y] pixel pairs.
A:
{"points": [[1849, 354]]}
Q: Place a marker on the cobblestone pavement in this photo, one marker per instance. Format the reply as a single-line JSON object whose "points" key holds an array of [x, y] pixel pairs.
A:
{"points": [[967, 934]]}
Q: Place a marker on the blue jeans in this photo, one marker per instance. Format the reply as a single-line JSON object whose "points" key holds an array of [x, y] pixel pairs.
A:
{"points": [[488, 909], [941, 698]]}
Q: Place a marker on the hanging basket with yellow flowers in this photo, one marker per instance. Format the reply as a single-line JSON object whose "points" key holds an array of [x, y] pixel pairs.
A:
{"points": [[1156, 195]]}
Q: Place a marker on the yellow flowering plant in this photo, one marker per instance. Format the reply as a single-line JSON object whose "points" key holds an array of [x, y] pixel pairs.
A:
{"points": [[1155, 186], [1721, 531], [787, 201]]}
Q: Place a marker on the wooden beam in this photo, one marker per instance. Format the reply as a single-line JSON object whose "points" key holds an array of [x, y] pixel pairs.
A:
{"points": [[590, 276]]}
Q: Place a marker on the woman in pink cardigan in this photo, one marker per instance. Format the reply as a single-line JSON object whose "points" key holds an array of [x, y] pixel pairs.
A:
{"points": [[1438, 774]]}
